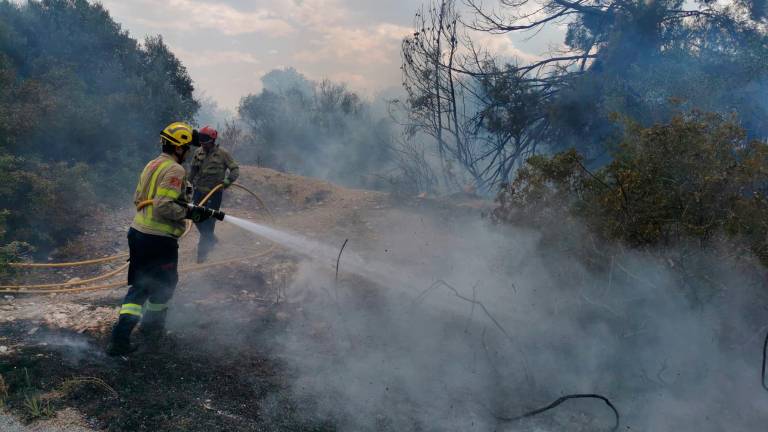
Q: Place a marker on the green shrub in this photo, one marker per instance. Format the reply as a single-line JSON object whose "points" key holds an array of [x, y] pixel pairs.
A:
{"points": [[44, 204], [696, 179], [81, 104]]}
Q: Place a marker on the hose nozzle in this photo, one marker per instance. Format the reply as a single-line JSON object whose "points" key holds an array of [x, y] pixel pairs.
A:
{"points": [[198, 213]]}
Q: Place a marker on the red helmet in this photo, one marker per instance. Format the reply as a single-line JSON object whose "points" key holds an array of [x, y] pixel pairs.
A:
{"points": [[207, 131]]}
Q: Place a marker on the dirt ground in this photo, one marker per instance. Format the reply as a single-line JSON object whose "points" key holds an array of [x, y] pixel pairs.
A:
{"points": [[56, 377]]}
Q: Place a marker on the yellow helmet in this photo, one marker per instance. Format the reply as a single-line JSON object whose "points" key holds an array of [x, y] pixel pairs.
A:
{"points": [[178, 134]]}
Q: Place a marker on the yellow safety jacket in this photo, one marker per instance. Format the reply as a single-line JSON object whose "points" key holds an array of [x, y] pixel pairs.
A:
{"points": [[163, 181]]}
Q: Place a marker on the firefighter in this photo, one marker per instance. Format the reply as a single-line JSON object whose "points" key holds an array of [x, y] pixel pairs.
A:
{"points": [[211, 166], [161, 198]]}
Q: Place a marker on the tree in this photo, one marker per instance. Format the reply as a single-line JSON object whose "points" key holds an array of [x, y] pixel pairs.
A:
{"points": [[633, 58], [81, 104], [233, 137], [328, 132], [288, 79], [487, 121], [636, 58], [696, 180]]}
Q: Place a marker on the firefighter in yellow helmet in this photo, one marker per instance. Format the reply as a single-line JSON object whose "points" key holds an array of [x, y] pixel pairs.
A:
{"points": [[161, 199]]}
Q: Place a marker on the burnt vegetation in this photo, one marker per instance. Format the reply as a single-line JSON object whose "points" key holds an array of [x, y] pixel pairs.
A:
{"points": [[637, 147]]}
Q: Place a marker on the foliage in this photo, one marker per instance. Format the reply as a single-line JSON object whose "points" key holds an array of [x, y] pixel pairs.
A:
{"points": [[11, 252], [3, 391], [317, 129], [37, 408], [51, 202], [413, 173], [81, 103], [488, 113], [694, 178], [485, 123], [70, 385], [721, 70]]}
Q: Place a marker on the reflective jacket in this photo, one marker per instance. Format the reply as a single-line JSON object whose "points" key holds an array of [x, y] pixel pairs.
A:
{"points": [[163, 181], [210, 169]]}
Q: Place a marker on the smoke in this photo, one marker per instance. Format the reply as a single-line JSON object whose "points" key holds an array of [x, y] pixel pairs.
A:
{"points": [[210, 113], [74, 348], [515, 325], [318, 129]]}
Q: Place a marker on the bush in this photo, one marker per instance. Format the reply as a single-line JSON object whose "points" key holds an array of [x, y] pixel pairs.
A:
{"points": [[48, 203], [81, 105], [696, 178]]}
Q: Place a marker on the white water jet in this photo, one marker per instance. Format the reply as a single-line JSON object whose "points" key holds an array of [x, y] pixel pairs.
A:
{"points": [[297, 243], [353, 263], [384, 274]]}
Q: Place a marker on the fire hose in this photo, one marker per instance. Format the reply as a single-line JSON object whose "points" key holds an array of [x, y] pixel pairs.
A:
{"points": [[560, 400], [76, 286]]}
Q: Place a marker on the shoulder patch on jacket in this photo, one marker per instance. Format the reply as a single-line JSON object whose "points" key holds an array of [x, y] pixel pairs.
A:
{"points": [[175, 182]]}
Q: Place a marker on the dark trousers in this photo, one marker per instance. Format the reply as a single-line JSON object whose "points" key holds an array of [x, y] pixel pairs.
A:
{"points": [[152, 276], [205, 228]]}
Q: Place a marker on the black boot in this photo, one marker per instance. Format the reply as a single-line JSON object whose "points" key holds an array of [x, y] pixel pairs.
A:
{"points": [[121, 336], [152, 328]]}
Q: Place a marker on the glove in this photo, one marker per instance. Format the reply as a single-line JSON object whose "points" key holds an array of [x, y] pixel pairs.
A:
{"points": [[226, 183], [199, 213], [189, 191]]}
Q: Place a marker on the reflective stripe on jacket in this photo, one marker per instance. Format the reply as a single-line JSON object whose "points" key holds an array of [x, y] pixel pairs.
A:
{"points": [[162, 181]]}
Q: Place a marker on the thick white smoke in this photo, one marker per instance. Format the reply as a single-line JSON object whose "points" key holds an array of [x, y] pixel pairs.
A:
{"points": [[674, 349]]}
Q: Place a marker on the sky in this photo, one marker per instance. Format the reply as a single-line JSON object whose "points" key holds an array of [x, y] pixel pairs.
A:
{"points": [[228, 45]]}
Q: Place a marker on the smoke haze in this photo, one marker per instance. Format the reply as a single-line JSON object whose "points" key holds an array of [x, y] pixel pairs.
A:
{"points": [[393, 348]]}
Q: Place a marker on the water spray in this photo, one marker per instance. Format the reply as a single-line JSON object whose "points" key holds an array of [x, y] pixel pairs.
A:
{"points": [[380, 273]]}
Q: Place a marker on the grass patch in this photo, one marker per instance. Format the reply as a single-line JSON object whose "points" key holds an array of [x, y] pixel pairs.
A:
{"points": [[72, 384], [37, 408], [3, 392]]}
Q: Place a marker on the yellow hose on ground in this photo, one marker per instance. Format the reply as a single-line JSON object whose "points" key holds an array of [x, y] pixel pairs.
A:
{"points": [[103, 276], [70, 264], [120, 284], [140, 206], [67, 290], [106, 275], [42, 288]]}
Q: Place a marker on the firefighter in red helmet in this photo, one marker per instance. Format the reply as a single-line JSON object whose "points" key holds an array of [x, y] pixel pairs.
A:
{"points": [[211, 166]]}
